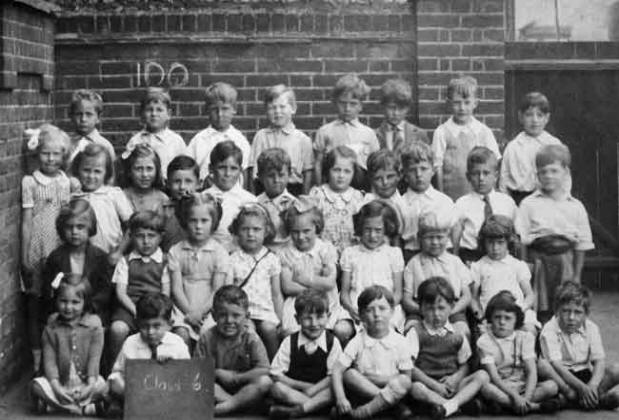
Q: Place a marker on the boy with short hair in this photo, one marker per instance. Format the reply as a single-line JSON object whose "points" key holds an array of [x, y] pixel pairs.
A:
{"points": [[421, 197], [182, 181], [273, 172], [440, 352], [85, 113], [241, 362], [281, 107], [153, 341], [225, 168], [376, 364], [348, 95], [553, 227], [395, 133], [476, 206], [220, 104], [518, 173], [156, 111], [301, 369], [573, 345], [456, 137]]}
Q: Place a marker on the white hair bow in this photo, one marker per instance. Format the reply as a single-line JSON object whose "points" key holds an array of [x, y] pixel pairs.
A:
{"points": [[56, 282], [33, 141]]}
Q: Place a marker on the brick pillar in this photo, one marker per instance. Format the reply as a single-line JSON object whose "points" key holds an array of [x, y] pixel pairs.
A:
{"points": [[26, 77], [461, 36]]}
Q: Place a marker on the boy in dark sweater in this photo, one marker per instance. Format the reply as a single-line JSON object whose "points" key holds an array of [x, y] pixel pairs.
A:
{"points": [[302, 366], [440, 374]]}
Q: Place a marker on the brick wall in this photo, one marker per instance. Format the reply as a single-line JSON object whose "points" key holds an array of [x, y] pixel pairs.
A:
{"points": [[26, 71], [465, 36], [249, 47]]}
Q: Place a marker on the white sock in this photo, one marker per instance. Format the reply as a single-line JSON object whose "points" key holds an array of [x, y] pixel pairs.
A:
{"points": [[451, 406]]}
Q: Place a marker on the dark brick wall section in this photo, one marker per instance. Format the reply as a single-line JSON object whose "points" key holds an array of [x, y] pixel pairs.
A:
{"points": [[249, 47], [461, 36], [27, 65]]}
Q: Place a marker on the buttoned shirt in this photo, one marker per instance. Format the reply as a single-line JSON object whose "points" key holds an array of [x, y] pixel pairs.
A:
{"points": [[493, 276], [281, 362], [294, 142], [470, 208], [239, 354], [371, 267], [203, 143], [111, 208], [135, 347], [429, 201], [464, 352], [166, 143], [121, 272], [357, 136], [541, 215], [78, 343], [386, 356], [577, 350], [518, 170], [421, 267], [475, 129], [507, 353]]}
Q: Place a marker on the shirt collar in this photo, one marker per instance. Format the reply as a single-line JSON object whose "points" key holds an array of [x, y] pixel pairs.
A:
{"points": [[160, 136], [397, 127], [539, 193], [261, 253], [354, 123], [429, 192], [481, 196], [85, 320], [455, 129], [41, 178], [447, 328], [209, 246], [332, 196], [321, 341], [287, 129], [157, 256], [314, 253], [284, 198], [388, 342], [378, 249]]}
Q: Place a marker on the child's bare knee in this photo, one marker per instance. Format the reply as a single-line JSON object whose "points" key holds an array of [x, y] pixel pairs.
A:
{"points": [[613, 371], [183, 333], [350, 375], [343, 330], [481, 376], [119, 329], [263, 383], [278, 390], [418, 388], [550, 387]]}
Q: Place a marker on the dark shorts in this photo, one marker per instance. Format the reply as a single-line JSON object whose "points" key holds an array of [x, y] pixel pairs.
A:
{"points": [[469, 256], [518, 196], [122, 314], [583, 375]]}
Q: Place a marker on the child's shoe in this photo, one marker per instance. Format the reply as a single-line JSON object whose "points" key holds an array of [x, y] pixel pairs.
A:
{"points": [[403, 412], [472, 408], [609, 402], [550, 406], [437, 412]]}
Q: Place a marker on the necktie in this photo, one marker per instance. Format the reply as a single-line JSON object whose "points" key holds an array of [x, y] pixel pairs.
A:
{"points": [[487, 207], [153, 352], [398, 137]]}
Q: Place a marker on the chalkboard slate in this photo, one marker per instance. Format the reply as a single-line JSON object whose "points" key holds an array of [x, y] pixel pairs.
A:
{"points": [[177, 389]]}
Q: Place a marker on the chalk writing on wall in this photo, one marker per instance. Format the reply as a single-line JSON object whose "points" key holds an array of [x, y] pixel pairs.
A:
{"points": [[152, 73]]}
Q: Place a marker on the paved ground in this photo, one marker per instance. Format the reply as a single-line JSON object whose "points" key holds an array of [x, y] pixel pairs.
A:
{"points": [[14, 405]]}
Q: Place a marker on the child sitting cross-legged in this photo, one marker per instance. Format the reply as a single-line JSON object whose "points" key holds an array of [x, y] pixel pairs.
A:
{"points": [[241, 362], [376, 364], [572, 343], [508, 355], [302, 367], [441, 374], [153, 341]]}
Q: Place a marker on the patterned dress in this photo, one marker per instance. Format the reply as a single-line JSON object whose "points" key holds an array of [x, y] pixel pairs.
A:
{"points": [[44, 195]]}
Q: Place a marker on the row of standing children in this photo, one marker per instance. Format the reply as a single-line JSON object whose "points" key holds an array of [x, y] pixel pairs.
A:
{"points": [[310, 262]]}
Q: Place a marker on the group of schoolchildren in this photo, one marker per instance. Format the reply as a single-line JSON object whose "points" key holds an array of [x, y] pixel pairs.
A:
{"points": [[349, 284]]}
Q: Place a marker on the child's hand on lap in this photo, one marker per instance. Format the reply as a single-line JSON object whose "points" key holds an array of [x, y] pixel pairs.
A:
{"points": [[450, 383], [226, 377], [441, 389], [62, 395], [520, 405], [589, 396], [83, 393]]}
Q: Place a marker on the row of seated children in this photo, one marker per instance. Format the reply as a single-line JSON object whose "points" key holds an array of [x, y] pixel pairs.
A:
{"points": [[419, 158], [427, 370]]}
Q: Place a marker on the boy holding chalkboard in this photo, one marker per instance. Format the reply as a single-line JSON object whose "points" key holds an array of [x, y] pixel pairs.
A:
{"points": [[302, 366], [154, 341], [241, 363]]}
